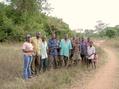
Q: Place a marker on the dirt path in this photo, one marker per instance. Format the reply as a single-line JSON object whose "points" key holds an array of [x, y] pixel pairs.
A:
{"points": [[105, 77]]}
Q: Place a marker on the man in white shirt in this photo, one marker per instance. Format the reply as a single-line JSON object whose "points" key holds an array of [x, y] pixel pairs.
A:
{"points": [[44, 56], [91, 53]]}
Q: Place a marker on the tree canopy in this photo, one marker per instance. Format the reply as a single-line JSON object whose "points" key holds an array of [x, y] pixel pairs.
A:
{"points": [[20, 17]]}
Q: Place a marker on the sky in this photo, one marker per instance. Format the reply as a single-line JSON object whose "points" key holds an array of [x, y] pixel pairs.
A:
{"points": [[85, 13]]}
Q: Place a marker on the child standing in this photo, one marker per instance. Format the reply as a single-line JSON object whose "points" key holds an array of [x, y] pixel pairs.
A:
{"points": [[91, 54]]}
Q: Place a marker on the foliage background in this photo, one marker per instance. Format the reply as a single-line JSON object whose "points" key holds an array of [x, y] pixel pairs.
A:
{"points": [[21, 17]]}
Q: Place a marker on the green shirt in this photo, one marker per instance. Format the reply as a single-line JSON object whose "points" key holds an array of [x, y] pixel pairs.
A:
{"points": [[65, 46]]}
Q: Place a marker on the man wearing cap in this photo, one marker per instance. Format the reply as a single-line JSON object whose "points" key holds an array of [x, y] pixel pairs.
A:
{"points": [[27, 49], [36, 42]]}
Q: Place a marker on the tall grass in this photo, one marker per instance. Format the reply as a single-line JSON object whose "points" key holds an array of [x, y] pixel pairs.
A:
{"points": [[113, 42], [11, 65]]}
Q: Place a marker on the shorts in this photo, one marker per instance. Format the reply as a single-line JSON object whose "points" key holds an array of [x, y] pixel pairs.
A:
{"points": [[82, 55], [76, 56], [89, 61], [65, 58]]}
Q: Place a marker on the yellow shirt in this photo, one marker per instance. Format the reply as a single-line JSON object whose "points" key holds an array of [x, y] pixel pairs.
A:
{"points": [[36, 44]]}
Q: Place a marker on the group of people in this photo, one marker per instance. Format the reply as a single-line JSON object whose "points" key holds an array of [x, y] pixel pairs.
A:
{"points": [[41, 55]]}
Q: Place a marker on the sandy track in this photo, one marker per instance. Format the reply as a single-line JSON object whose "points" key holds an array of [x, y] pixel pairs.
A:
{"points": [[104, 78]]}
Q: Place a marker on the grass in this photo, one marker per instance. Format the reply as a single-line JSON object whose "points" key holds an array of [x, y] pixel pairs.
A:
{"points": [[11, 65], [113, 42]]}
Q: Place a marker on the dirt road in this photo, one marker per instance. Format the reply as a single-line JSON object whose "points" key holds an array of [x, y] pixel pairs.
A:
{"points": [[105, 76]]}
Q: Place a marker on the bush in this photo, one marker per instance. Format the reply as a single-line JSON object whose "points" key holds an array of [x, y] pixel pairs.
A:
{"points": [[110, 33], [15, 23]]}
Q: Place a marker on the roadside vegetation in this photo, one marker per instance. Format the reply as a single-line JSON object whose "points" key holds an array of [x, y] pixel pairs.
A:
{"points": [[21, 17], [11, 72]]}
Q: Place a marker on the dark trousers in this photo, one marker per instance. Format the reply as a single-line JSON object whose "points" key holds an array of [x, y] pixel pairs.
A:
{"points": [[65, 59], [44, 63], [35, 66], [83, 58]]}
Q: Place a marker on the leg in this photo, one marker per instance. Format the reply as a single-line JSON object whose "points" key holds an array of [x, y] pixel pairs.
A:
{"points": [[29, 67], [60, 61], [95, 64], [36, 64], [33, 65], [66, 60], [48, 62], [26, 64], [76, 58], [51, 61], [85, 59], [45, 65], [88, 63], [82, 58], [63, 62], [56, 61], [71, 57], [92, 63], [41, 64]]}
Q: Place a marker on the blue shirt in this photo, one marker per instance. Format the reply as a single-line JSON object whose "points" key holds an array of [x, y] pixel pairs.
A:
{"points": [[53, 45], [65, 46], [83, 48]]}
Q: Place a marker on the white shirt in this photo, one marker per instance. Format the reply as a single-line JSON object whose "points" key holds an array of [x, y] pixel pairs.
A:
{"points": [[43, 50], [91, 50]]}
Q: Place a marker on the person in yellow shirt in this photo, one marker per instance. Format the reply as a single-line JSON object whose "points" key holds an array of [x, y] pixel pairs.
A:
{"points": [[36, 42]]}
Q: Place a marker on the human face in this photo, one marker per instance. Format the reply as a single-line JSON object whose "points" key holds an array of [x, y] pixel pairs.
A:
{"points": [[66, 37], [29, 39], [38, 35], [53, 36], [79, 38], [43, 39], [88, 39], [82, 39], [91, 44]]}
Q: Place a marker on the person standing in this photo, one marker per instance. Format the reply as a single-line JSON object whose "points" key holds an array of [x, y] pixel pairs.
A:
{"points": [[27, 49], [36, 42], [88, 42], [65, 46], [53, 52], [76, 52], [91, 54], [83, 50], [44, 56], [72, 51]]}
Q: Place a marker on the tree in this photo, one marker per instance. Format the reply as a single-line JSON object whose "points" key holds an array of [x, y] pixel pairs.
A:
{"points": [[100, 25], [20, 17], [89, 32], [110, 33]]}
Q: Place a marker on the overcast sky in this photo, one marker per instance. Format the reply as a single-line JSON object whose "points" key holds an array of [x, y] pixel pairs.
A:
{"points": [[85, 13]]}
